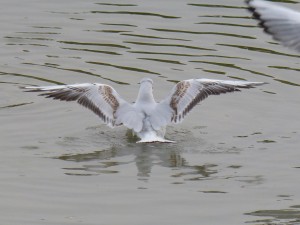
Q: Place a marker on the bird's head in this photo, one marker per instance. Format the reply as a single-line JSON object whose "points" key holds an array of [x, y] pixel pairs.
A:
{"points": [[146, 80]]}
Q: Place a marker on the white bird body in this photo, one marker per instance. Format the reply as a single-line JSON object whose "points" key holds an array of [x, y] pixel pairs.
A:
{"points": [[146, 117], [281, 22]]}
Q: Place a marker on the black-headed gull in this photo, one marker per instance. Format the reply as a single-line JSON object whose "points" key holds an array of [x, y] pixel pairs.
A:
{"points": [[281, 22], [146, 117]]}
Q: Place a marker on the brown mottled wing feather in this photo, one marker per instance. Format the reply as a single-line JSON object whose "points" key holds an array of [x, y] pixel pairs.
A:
{"points": [[188, 93], [102, 99]]}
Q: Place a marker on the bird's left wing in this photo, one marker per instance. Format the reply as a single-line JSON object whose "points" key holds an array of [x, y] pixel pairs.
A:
{"points": [[281, 22], [186, 94], [102, 99]]}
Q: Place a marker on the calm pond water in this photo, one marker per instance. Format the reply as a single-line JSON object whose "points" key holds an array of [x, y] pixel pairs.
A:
{"points": [[236, 159]]}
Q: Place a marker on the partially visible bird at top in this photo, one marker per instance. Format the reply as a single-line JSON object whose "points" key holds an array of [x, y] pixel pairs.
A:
{"points": [[146, 117], [281, 22]]}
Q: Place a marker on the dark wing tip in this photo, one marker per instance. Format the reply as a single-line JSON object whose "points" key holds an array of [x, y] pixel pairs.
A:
{"points": [[250, 8], [253, 11], [256, 15], [63, 95]]}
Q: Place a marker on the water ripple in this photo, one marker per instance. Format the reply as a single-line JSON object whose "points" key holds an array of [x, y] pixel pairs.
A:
{"points": [[256, 49], [217, 6], [137, 14], [169, 45], [154, 37], [289, 216], [226, 24], [93, 50], [15, 105], [116, 4], [163, 61], [202, 33], [123, 67], [75, 70], [31, 77], [164, 53], [93, 44], [230, 65]]}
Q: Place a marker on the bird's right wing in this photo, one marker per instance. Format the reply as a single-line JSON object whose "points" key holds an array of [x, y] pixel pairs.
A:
{"points": [[102, 99], [281, 22], [186, 94]]}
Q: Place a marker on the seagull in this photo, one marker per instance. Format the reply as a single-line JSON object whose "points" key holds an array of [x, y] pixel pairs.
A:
{"points": [[281, 22], [146, 117]]}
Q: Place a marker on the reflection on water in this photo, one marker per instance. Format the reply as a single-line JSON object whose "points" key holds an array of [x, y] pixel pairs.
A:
{"points": [[125, 151], [144, 156], [122, 152]]}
